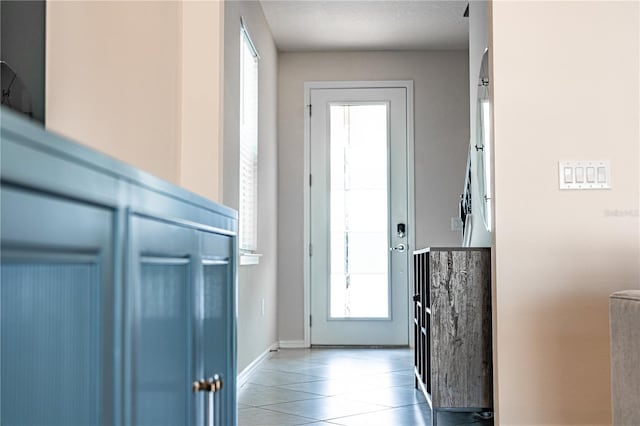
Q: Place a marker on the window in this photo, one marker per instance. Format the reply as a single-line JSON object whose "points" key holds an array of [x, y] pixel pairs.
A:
{"points": [[248, 202]]}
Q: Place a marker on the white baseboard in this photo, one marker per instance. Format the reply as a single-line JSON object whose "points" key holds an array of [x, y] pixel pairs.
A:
{"points": [[292, 344], [244, 375]]}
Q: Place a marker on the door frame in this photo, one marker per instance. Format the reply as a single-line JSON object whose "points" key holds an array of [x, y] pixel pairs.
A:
{"points": [[381, 84]]}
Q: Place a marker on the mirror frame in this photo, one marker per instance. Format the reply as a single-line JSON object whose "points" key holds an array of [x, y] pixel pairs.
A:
{"points": [[483, 140]]}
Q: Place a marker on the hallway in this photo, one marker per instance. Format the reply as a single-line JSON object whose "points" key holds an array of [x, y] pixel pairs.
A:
{"points": [[348, 387]]}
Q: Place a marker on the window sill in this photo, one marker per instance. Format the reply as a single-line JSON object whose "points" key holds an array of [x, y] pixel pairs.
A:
{"points": [[249, 259]]}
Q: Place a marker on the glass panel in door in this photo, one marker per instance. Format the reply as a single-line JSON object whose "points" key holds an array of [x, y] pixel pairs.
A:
{"points": [[359, 281]]}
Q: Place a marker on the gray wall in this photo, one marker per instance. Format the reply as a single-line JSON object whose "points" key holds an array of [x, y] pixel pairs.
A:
{"points": [[441, 93], [256, 332], [23, 48]]}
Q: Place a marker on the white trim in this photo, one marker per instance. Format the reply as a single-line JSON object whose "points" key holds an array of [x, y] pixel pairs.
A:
{"points": [[306, 289], [411, 212], [293, 344], [406, 84], [248, 167], [380, 84], [245, 375], [249, 259]]}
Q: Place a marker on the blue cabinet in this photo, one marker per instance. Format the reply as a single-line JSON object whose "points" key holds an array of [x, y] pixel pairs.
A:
{"points": [[117, 291]]}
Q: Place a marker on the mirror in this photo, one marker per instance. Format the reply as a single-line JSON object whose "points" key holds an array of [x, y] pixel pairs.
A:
{"points": [[483, 141]]}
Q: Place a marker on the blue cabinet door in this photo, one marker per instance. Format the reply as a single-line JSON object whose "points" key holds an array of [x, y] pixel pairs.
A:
{"points": [[181, 308], [56, 288], [215, 320], [162, 369]]}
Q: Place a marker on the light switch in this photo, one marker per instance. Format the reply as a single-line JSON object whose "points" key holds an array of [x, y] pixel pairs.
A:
{"points": [[584, 174], [568, 174]]}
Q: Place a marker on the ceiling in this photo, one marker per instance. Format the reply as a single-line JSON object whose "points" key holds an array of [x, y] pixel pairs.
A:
{"points": [[367, 25]]}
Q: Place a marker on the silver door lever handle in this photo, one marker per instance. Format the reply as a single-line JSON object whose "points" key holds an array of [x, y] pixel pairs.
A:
{"points": [[400, 248]]}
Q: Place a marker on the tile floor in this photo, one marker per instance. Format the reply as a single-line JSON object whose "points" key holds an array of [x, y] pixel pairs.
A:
{"points": [[344, 387]]}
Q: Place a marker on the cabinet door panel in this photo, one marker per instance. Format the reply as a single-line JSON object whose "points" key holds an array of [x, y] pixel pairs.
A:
{"points": [[162, 341], [215, 344], [162, 345], [54, 305], [216, 340]]}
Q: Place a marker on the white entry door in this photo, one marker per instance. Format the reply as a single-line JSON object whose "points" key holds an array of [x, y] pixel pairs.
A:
{"points": [[358, 208]]}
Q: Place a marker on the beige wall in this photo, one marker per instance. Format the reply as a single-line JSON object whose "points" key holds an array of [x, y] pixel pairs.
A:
{"points": [[256, 332], [441, 98], [201, 79], [566, 87], [140, 81], [112, 80]]}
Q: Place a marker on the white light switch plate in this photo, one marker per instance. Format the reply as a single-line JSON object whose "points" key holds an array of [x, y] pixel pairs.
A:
{"points": [[584, 174]]}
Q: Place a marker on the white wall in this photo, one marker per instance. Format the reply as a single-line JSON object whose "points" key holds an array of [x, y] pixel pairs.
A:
{"points": [[566, 87], [441, 93], [256, 333], [140, 81]]}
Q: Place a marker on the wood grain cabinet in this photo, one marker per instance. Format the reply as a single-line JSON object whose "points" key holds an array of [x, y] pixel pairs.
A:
{"points": [[452, 329], [117, 291]]}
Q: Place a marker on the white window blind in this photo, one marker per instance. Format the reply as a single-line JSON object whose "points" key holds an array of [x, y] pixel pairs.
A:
{"points": [[248, 205]]}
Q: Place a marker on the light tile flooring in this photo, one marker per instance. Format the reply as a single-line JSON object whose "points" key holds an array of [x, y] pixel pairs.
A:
{"points": [[346, 387]]}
